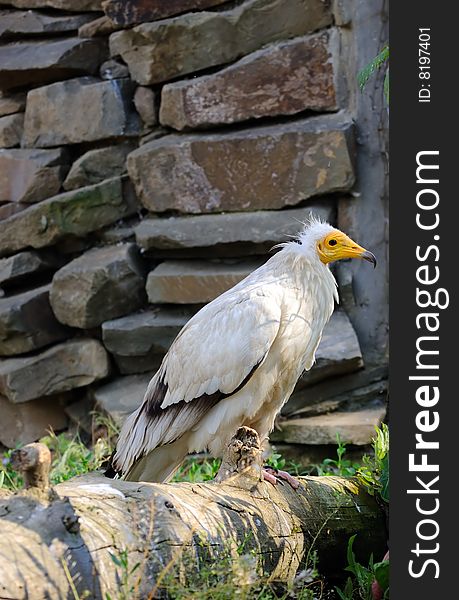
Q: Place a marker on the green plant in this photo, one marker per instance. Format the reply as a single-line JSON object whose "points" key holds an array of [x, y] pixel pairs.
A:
{"points": [[359, 585], [125, 572], [374, 65], [232, 575], [197, 469], [277, 461], [374, 472], [70, 457], [9, 479], [340, 466]]}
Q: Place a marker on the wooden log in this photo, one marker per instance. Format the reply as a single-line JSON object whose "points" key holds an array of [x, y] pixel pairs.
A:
{"points": [[89, 534]]}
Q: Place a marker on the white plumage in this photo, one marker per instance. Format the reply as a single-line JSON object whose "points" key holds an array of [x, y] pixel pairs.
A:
{"points": [[238, 359]]}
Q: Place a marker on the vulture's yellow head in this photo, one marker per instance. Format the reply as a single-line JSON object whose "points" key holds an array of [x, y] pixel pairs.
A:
{"points": [[330, 244]]}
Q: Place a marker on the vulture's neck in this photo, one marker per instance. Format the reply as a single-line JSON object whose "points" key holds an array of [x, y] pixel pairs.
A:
{"points": [[305, 271]]}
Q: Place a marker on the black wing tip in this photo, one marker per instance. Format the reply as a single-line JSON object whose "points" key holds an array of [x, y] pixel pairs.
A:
{"points": [[110, 471]]}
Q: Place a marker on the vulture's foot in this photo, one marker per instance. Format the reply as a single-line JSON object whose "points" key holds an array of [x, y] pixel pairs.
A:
{"points": [[276, 476]]}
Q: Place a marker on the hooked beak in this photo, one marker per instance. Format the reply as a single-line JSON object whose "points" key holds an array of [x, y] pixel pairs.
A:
{"points": [[370, 257]]}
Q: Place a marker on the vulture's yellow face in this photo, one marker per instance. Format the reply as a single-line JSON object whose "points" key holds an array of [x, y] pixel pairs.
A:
{"points": [[336, 245]]}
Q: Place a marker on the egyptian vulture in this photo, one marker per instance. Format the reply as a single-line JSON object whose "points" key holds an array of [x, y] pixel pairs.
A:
{"points": [[238, 359]]}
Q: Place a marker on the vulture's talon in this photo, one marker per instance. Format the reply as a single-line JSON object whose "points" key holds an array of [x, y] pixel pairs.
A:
{"points": [[275, 476]]}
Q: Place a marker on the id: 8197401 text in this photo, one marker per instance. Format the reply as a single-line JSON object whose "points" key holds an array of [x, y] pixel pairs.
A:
{"points": [[424, 92]]}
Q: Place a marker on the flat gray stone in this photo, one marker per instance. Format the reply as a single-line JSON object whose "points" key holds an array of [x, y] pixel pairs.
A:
{"points": [[131, 12], [20, 266], [148, 332], [102, 284], [258, 229], [195, 282], [32, 62], [73, 213], [354, 388], [63, 367], [18, 24], [24, 423], [354, 427], [112, 69], [251, 169], [11, 128], [70, 5], [121, 397], [166, 49], [147, 363], [31, 175], [338, 352], [98, 164], [28, 323], [99, 110], [282, 79]]}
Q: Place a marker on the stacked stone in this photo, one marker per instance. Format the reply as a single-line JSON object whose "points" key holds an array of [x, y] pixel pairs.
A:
{"points": [[151, 155]]}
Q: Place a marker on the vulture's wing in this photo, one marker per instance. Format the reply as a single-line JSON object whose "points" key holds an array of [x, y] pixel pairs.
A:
{"points": [[213, 357]]}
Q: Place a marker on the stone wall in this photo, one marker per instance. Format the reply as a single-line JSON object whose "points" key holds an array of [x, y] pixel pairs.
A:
{"points": [[151, 155]]}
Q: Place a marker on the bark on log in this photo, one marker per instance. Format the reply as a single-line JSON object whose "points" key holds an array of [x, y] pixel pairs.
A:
{"points": [[78, 539]]}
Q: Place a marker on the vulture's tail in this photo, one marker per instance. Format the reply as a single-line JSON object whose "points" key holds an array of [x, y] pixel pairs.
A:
{"points": [[160, 464]]}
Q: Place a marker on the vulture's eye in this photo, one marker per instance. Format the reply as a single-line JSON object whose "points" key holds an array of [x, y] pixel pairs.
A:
{"points": [[332, 243]]}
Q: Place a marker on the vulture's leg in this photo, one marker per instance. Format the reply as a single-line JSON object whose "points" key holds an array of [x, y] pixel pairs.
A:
{"points": [[275, 476]]}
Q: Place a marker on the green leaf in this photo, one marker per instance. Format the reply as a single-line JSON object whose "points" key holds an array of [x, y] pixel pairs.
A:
{"points": [[116, 560], [381, 570], [372, 66], [386, 86], [384, 479], [350, 553]]}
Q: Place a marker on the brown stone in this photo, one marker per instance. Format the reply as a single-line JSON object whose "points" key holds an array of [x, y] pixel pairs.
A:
{"points": [[26, 63], [63, 367], [251, 169], [169, 48], [98, 109], [131, 12], [11, 127], [73, 213], [15, 23], [31, 175], [195, 282], [102, 284], [353, 427], [148, 332], [12, 103], [282, 79], [254, 232], [96, 165], [24, 265], [122, 396], [24, 423], [98, 27], [28, 323], [70, 5], [145, 104]]}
